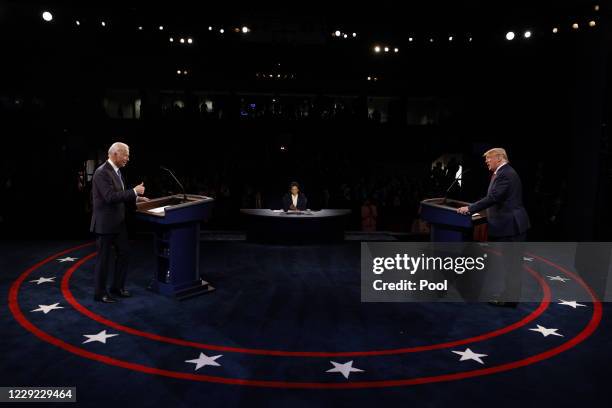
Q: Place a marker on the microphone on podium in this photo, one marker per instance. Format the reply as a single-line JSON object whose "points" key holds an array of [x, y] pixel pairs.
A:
{"points": [[458, 178], [177, 181]]}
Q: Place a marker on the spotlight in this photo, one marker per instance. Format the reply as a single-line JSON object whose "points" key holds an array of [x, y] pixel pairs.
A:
{"points": [[396, 49], [386, 49], [510, 36], [179, 72], [78, 23], [161, 28], [190, 41], [592, 23], [337, 33], [221, 31], [140, 28], [354, 35], [450, 38], [431, 40], [470, 39], [575, 26], [171, 39], [209, 28], [527, 34], [345, 36], [369, 78], [410, 39], [182, 40], [596, 7], [377, 49], [103, 23], [245, 29], [555, 30], [185, 72], [47, 16]]}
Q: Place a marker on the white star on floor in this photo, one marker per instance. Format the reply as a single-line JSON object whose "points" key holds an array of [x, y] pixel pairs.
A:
{"points": [[101, 337], [204, 360], [67, 259], [47, 308], [572, 303], [546, 332], [528, 259], [43, 280], [345, 368], [558, 278], [470, 355]]}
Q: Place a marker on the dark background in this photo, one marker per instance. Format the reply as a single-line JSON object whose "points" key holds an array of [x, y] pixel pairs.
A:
{"points": [[67, 92]]}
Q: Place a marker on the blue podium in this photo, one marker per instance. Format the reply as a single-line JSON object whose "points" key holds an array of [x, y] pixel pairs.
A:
{"points": [[446, 225], [176, 224]]}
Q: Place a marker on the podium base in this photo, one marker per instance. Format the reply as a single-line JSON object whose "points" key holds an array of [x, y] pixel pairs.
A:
{"points": [[183, 291]]}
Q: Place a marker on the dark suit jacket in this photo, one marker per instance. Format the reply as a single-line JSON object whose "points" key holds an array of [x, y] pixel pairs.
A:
{"points": [[506, 215], [302, 202], [109, 201]]}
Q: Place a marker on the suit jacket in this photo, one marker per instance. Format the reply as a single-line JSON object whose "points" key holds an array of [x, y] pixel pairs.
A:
{"points": [[506, 214], [109, 201], [302, 202]]}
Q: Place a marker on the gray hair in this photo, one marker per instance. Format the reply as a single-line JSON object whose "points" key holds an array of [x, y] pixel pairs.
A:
{"points": [[116, 147]]}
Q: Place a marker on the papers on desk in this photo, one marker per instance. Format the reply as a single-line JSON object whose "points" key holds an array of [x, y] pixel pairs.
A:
{"points": [[158, 210], [277, 211], [475, 214]]}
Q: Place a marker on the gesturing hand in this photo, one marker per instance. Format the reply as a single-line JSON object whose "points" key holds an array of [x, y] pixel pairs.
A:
{"points": [[140, 189]]}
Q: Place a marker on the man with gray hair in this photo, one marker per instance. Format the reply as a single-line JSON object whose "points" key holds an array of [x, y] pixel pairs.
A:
{"points": [[110, 199], [506, 217]]}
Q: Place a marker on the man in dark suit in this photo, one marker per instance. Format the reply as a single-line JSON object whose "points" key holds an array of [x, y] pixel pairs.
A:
{"points": [[295, 200], [110, 200], [507, 220]]}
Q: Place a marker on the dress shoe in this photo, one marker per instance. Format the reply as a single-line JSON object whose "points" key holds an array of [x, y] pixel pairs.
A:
{"points": [[105, 299], [121, 293], [502, 303]]}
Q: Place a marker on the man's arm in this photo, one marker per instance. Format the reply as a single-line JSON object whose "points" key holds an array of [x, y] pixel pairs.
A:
{"points": [[104, 185], [497, 194]]}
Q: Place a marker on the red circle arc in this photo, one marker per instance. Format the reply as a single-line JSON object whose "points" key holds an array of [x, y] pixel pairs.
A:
{"points": [[65, 285], [23, 321]]}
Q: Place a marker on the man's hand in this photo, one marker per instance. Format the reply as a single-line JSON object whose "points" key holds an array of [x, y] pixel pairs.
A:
{"points": [[140, 199], [463, 210], [140, 189]]}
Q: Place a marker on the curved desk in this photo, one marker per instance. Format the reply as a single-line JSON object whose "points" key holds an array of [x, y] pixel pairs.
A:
{"points": [[295, 226]]}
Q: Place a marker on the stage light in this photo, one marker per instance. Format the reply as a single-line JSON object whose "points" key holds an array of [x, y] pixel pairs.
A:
{"points": [[221, 31], [190, 40], [182, 40], [354, 35], [510, 36], [369, 78], [245, 29], [47, 16], [410, 39], [575, 26], [470, 39], [140, 28], [283, 148], [377, 49], [450, 38], [431, 40], [596, 7], [103, 23], [78, 23], [592, 23], [396, 49], [209, 28], [185, 72], [527, 34], [386, 49], [161, 28], [345, 36], [178, 71], [337, 33], [555, 30], [171, 39]]}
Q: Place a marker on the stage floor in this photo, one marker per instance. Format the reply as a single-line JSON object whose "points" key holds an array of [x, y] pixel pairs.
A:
{"points": [[286, 327]]}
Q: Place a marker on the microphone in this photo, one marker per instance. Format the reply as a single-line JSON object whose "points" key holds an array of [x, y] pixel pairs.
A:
{"points": [[457, 179], [177, 181]]}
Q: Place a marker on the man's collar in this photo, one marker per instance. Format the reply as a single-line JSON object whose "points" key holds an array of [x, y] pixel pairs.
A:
{"points": [[500, 166], [113, 164]]}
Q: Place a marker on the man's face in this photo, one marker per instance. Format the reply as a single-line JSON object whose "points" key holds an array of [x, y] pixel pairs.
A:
{"points": [[294, 190], [121, 157], [493, 161]]}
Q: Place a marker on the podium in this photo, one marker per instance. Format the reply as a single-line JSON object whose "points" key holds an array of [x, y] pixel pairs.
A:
{"points": [[446, 225], [176, 224]]}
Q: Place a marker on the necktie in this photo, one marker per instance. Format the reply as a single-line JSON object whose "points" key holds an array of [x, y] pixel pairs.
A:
{"points": [[120, 179]]}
